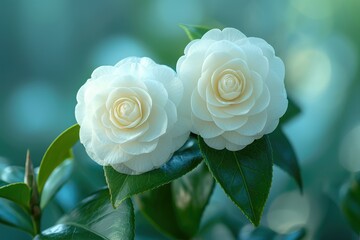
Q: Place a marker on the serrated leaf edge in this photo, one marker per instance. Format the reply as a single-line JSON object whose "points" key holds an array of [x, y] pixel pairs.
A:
{"points": [[263, 207]]}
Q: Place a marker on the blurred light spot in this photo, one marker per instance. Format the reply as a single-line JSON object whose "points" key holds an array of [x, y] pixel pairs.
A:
{"points": [[350, 150], [320, 91], [218, 231], [172, 13], [288, 211], [183, 198], [3, 163], [33, 108], [314, 9], [309, 71], [112, 50]]}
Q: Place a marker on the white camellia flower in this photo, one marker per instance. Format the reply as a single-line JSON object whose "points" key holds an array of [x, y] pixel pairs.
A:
{"points": [[128, 115], [233, 88]]}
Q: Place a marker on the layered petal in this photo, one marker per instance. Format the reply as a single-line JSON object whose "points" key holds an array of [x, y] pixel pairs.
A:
{"points": [[236, 86], [128, 115]]}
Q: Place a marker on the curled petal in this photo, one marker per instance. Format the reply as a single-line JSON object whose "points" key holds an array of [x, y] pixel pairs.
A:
{"points": [[206, 129], [157, 92], [255, 125], [256, 60], [147, 162], [101, 71], [230, 34], [237, 138], [216, 142], [198, 107], [230, 124], [262, 102], [127, 117], [236, 81], [218, 112], [136, 148], [233, 147], [158, 122]]}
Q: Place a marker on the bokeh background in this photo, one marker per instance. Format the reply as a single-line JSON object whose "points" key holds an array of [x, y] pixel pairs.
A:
{"points": [[48, 49]]}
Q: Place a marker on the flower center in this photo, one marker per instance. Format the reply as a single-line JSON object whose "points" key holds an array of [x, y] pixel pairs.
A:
{"points": [[126, 108], [230, 86], [127, 112]]}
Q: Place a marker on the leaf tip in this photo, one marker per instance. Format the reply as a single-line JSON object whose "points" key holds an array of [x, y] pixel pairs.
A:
{"points": [[29, 170]]}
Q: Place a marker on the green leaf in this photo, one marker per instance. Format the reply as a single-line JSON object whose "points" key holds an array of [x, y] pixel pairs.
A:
{"points": [[194, 31], [191, 194], [95, 218], [182, 202], [13, 215], [58, 151], [122, 186], [292, 111], [56, 180], [350, 202], [12, 174], [163, 217], [284, 156], [17, 192], [245, 175]]}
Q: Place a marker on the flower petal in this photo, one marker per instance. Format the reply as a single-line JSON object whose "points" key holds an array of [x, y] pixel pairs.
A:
{"points": [[198, 107], [218, 111], [158, 123], [256, 60], [206, 129], [262, 102], [137, 147], [157, 92], [254, 125], [233, 147], [217, 143], [237, 138], [147, 162], [230, 124], [230, 34], [101, 71]]}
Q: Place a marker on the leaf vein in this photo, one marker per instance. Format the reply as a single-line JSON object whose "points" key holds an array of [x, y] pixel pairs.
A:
{"points": [[87, 229], [245, 185]]}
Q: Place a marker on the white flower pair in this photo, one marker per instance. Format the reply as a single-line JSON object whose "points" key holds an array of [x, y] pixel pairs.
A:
{"points": [[229, 89]]}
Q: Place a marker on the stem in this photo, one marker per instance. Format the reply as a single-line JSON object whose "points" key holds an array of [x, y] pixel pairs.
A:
{"points": [[30, 180], [36, 219]]}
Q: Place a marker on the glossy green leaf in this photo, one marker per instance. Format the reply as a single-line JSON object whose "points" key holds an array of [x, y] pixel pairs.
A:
{"points": [[95, 218], [56, 180], [162, 217], [123, 186], [245, 175], [284, 155], [12, 174], [144, 230], [182, 202], [16, 192], [350, 202], [191, 194], [292, 111], [194, 31], [13, 215], [58, 151]]}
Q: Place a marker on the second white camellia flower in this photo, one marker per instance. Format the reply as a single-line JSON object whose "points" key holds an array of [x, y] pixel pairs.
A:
{"points": [[128, 115], [233, 88]]}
